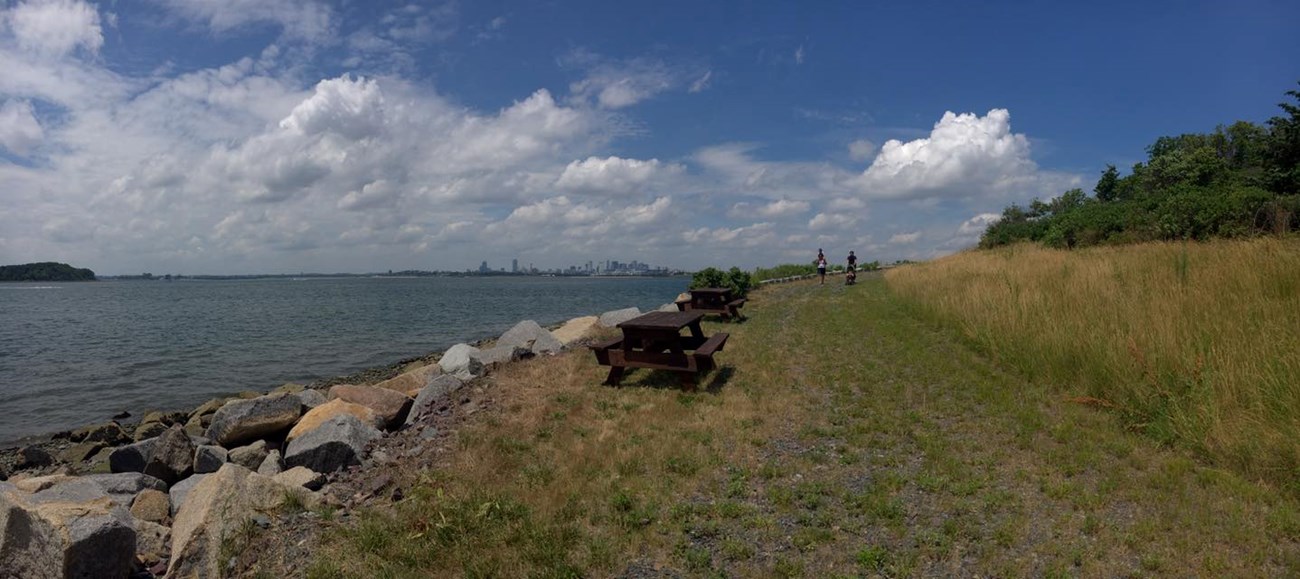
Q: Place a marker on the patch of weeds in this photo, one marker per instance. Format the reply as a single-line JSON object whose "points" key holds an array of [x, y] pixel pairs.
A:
{"points": [[1284, 519], [537, 475], [687, 400], [811, 495], [509, 445], [930, 482], [293, 501], [545, 432], [630, 512], [732, 509], [807, 538], [784, 567], [237, 539], [733, 550], [633, 466], [1151, 562], [325, 512], [696, 558], [771, 470], [875, 558], [600, 553], [701, 437], [877, 505], [736, 484], [760, 522], [580, 431], [566, 400], [782, 496], [682, 465], [558, 415]]}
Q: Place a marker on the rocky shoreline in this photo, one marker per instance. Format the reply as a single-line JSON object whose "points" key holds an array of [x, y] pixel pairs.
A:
{"points": [[155, 498]]}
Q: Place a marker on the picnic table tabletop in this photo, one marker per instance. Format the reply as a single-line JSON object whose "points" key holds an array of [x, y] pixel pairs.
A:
{"points": [[663, 320]]}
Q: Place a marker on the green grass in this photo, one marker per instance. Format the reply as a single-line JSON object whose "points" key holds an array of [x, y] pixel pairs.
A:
{"points": [[850, 437]]}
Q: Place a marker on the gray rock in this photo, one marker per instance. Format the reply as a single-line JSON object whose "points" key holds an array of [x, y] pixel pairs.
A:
{"points": [[181, 490], [272, 465], [80, 452], [493, 357], [301, 476], [310, 398], [240, 421], [337, 443], [616, 317], [668, 308], [152, 539], [132, 457], [457, 360], [209, 458], [173, 456], [149, 429], [34, 457], [249, 457], [438, 388], [531, 337], [122, 488], [68, 530], [109, 433]]}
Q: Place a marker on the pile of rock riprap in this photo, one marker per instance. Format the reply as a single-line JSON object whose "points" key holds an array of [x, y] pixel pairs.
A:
{"points": [[160, 499]]}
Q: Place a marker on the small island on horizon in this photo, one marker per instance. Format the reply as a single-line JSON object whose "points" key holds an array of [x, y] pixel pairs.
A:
{"points": [[45, 271]]}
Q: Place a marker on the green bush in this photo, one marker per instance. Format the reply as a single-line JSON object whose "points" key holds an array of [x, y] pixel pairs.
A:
{"points": [[740, 282], [783, 271]]}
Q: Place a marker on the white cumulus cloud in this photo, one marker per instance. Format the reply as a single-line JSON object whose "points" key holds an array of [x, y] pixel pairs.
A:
{"points": [[902, 238], [19, 129], [965, 156], [977, 224], [301, 19], [612, 175], [55, 27]]}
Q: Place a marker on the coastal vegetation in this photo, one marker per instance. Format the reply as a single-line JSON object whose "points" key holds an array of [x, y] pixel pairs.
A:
{"points": [[845, 435], [1241, 180], [1193, 344], [735, 279], [45, 271]]}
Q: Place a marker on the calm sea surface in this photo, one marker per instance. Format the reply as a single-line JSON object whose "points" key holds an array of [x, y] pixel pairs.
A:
{"points": [[76, 353]]}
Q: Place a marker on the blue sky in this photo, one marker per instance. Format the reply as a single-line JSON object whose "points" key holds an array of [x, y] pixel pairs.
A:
{"points": [[250, 136]]}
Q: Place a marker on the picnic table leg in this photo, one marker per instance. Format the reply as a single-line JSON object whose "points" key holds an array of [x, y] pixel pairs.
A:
{"points": [[615, 376], [696, 332]]}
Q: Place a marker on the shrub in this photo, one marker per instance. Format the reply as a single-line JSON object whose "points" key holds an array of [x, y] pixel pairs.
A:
{"points": [[740, 282]]}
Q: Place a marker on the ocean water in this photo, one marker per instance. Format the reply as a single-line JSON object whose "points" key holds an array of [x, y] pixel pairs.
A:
{"points": [[73, 354]]}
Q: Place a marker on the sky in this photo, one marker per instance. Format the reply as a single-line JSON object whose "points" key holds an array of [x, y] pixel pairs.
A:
{"points": [[284, 136]]}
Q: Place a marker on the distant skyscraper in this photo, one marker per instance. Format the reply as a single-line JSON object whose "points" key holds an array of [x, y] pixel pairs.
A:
{"points": [[514, 266], [482, 267]]}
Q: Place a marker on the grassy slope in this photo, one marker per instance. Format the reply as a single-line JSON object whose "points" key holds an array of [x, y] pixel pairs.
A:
{"points": [[844, 436]]}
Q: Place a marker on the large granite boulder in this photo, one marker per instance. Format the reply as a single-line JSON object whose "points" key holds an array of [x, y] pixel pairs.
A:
{"points": [[457, 361], [209, 458], [151, 505], [181, 490], [492, 357], [132, 457], [214, 511], [436, 390], [531, 337], [172, 458], [410, 383], [318, 415], [273, 464], [576, 329], [241, 421], [250, 456], [123, 487], [616, 317], [390, 406], [337, 443], [81, 452], [311, 398], [72, 529]]}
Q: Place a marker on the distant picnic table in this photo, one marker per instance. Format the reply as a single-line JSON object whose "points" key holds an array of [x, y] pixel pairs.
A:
{"points": [[713, 300], [655, 341]]}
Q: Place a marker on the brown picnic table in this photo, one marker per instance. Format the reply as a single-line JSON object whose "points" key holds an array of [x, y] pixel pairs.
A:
{"points": [[655, 341], [713, 300]]}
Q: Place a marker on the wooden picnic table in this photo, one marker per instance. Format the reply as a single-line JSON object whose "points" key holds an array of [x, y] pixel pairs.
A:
{"points": [[655, 341], [714, 300]]}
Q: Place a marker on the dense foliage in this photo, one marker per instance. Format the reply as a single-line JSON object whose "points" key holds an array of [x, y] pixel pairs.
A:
{"points": [[784, 270], [45, 271], [739, 281], [1240, 180]]}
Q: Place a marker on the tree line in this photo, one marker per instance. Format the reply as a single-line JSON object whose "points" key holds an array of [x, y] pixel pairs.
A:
{"points": [[1240, 180], [45, 271]]}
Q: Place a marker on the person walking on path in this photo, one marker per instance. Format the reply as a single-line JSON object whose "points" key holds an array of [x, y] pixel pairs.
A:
{"points": [[821, 265], [851, 274]]}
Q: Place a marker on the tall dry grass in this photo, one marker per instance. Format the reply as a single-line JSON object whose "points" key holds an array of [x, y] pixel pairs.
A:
{"points": [[1196, 344]]}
